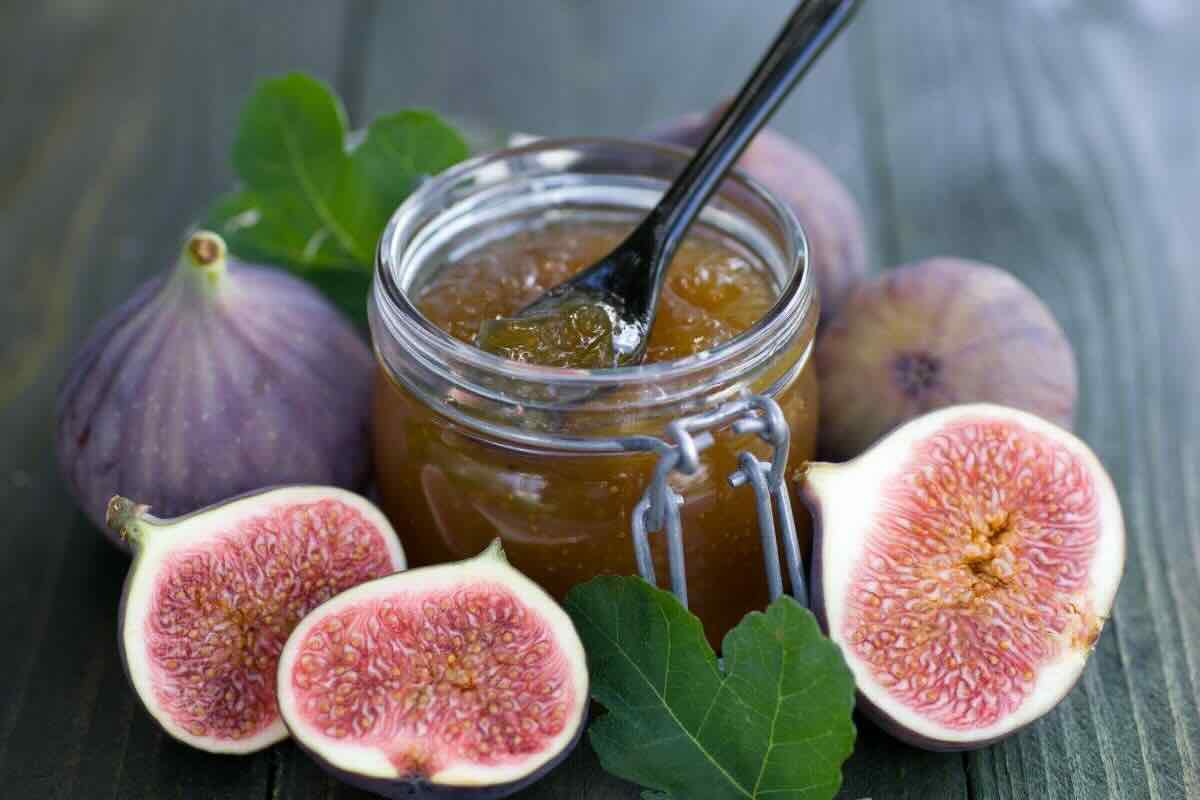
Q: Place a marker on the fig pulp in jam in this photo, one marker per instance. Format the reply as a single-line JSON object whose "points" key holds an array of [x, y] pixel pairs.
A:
{"points": [[712, 293]]}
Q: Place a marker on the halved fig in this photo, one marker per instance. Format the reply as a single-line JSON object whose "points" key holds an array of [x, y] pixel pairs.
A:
{"points": [[458, 680], [212, 596], [965, 564]]}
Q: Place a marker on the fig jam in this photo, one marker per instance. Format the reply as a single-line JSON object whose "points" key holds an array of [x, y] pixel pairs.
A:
{"points": [[565, 516], [713, 291]]}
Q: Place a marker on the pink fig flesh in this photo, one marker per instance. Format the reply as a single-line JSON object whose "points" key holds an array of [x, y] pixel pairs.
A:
{"points": [[966, 565], [212, 597], [934, 334], [463, 679]]}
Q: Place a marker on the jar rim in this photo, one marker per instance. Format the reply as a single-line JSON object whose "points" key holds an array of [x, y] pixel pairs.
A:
{"points": [[436, 347]]}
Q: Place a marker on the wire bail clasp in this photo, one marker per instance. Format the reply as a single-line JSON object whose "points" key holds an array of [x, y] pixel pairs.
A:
{"points": [[686, 438]]}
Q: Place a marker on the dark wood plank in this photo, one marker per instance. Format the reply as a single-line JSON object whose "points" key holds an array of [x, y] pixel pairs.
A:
{"points": [[126, 112], [1058, 139]]}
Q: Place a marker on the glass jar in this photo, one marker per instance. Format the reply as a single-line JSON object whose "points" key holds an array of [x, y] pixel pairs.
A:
{"points": [[469, 446]]}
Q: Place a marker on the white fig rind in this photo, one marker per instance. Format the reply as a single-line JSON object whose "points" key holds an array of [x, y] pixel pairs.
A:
{"points": [[846, 506], [190, 533], [366, 764]]}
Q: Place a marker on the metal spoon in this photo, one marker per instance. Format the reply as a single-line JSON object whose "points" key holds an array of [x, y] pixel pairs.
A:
{"points": [[624, 287]]}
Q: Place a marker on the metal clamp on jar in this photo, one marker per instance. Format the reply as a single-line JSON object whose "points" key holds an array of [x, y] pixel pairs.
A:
{"points": [[469, 446], [659, 506]]}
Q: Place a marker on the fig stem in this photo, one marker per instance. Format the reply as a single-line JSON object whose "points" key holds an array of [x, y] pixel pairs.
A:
{"points": [[204, 257], [127, 518], [494, 552]]}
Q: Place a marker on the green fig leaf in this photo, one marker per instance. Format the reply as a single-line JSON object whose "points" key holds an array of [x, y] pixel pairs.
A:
{"points": [[402, 149], [312, 203], [276, 230], [291, 145], [772, 722]]}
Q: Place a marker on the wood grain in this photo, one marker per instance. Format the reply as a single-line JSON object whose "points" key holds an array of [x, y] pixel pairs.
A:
{"points": [[1057, 138]]}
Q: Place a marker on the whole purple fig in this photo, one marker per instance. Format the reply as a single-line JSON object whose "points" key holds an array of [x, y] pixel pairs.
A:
{"points": [[215, 378], [932, 334]]}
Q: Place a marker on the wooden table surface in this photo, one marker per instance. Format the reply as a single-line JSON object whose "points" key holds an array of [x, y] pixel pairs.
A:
{"points": [[1059, 138]]}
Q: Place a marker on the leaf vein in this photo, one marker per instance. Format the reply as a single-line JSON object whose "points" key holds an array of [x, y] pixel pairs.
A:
{"points": [[762, 768], [315, 200]]}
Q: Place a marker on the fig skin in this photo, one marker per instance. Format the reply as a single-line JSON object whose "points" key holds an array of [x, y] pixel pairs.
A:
{"points": [[827, 212], [424, 790], [490, 568], [850, 492], [214, 379], [932, 334]]}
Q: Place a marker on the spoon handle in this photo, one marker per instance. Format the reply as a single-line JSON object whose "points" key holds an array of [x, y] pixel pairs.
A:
{"points": [[812, 26]]}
